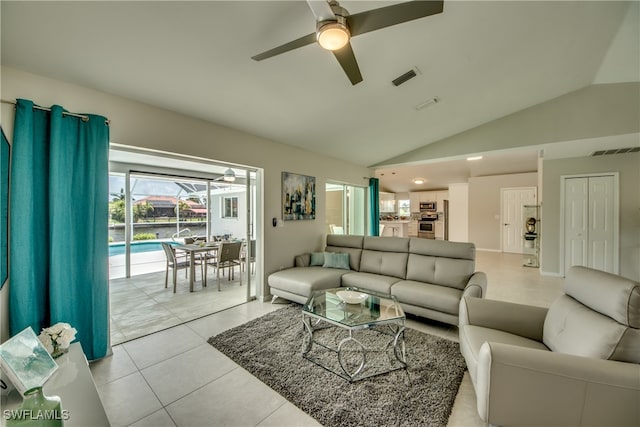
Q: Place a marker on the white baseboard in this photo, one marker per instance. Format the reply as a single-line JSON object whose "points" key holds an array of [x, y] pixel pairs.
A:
{"points": [[551, 274], [488, 250]]}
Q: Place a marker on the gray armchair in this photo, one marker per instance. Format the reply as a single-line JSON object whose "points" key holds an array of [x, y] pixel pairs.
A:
{"points": [[574, 364]]}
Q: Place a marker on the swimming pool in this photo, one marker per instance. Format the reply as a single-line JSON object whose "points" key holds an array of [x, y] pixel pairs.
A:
{"points": [[137, 247]]}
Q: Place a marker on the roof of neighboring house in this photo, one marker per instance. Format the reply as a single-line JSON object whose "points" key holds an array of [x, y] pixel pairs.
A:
{"points": [[167, 202]]}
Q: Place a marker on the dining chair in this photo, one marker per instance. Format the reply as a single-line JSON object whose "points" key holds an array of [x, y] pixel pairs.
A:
{"points": [[173, 263], [228, 257], [251, 254], [201, 257], [336, 229]]}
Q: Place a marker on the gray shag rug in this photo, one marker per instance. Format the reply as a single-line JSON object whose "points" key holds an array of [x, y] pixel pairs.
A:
{"points": [[270, 348]]}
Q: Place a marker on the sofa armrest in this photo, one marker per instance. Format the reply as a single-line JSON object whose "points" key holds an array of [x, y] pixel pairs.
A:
{"points": [[524, 320], [518, 385], [476, 286], [303, 260]]}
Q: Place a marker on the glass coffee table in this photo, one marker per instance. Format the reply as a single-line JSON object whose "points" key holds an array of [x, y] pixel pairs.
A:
{"points": [[356, 339]]}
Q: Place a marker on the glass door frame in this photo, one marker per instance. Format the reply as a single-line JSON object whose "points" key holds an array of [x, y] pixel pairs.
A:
{"points": [[254, 208], [347, 199]]}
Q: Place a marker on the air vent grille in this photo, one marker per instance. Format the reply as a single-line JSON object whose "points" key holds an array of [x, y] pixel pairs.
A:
{"points": [[616, 151], [403, 78]]}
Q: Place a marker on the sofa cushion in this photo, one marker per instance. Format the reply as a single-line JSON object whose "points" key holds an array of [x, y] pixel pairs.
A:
{"points": [[386, 244], [573, 328], [384, 263], [442, 248], [443, 271], [374, 282], [345, 241], [441, 298], [336, 260], [609, 294], [472, 337], [342, 243], [304, 280]]}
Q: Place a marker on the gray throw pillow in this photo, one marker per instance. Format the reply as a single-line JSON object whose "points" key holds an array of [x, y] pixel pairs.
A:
{"points": [[317, 258], [336, 260]]}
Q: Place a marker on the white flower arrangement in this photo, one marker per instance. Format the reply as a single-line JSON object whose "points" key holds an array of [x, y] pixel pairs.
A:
{"points": [[57, 338]]}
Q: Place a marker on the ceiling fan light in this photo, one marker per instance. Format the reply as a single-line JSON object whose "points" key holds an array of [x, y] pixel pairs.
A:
{"points": [[229, 175], [333, 36]]}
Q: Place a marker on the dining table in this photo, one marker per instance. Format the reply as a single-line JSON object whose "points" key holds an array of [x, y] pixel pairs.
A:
{"points": [[193, 249]]}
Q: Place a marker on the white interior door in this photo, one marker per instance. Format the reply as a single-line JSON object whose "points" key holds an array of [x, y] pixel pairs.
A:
{"points": [[512, 200], [590, 223], [576, 233], [601, 229]]}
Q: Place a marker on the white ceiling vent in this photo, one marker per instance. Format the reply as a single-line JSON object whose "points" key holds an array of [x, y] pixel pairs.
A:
{"points": [[616, 151]]}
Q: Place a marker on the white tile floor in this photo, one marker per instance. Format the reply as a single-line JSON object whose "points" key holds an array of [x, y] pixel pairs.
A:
{"points": [[174, 378], [141, 305]]}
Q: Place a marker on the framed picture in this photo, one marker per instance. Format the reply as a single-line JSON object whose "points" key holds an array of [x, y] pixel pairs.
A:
{"points": [[298, 197]]}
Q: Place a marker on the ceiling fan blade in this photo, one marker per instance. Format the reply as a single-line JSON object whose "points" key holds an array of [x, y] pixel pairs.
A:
{"points": [[302, 41], [376, 19], [348, 62], [321, 10]]}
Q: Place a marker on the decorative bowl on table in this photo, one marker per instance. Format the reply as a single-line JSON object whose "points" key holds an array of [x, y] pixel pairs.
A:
{"points": [[352, 297]]}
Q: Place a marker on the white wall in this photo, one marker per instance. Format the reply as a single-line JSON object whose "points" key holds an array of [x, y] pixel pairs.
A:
{"points": [[141, 125], [484, 206], [459, 212], [236, 227], [596, 111], [628, 167]]}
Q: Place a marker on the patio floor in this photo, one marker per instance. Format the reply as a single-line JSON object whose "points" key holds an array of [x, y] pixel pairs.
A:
{"points": [[141, 305]]}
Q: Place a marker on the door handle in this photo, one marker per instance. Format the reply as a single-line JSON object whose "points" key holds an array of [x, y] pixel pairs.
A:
{"points": [[506, 225]]}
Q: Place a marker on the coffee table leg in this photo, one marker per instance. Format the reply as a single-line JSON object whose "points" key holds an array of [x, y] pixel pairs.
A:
{"points": [[307, 340], [363, 351], [398, 346]]}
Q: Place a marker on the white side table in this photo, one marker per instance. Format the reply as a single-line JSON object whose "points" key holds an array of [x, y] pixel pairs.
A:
{"points": [[73, 383]]}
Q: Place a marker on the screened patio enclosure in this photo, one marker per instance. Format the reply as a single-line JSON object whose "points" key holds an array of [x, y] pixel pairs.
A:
{"points": [[162, 198]]}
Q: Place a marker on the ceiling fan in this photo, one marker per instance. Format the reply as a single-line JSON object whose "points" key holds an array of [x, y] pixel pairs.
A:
{"points": [[335, 27]]}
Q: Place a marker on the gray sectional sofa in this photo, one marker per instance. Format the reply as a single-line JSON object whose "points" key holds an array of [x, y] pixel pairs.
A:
{"points": [[428, 277]]}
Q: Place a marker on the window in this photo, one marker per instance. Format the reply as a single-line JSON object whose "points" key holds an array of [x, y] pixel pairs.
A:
{"points": [[229, 207], [404, 208]]}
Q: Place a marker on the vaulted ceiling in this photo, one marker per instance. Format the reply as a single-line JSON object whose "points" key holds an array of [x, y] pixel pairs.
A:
{"points": [[483, 60]]}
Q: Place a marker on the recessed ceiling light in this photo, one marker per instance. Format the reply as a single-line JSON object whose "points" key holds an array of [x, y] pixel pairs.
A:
{"points": [[418, 181], [474, 158]]}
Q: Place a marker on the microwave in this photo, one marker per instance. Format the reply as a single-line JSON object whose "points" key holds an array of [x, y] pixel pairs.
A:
{"points": [[428, 206]]}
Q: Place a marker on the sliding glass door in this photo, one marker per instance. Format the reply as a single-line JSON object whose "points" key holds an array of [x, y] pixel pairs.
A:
{"points": [[346, 208], [167, 199]]}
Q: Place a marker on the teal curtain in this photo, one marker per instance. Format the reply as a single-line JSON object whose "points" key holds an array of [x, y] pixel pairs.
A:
{"points": [[374, 207], [58, 224]]}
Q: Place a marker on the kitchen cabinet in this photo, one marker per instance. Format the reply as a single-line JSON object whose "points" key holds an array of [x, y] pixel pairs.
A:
{"points": [[387, 202], [388, 206], [414, 201], [428, 196], [412, 229]]}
